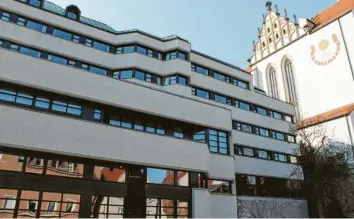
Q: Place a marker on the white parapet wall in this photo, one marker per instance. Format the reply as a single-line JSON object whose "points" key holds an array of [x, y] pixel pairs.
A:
{"points": [[213, 205], [269, 207]]}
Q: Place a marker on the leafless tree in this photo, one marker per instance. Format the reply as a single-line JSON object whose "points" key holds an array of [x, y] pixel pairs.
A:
{"points": [[326, 166], [263, 208]]}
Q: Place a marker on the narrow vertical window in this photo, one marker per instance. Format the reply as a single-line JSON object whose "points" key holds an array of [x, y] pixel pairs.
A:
{"points": [[272, 83], [289, 84]]}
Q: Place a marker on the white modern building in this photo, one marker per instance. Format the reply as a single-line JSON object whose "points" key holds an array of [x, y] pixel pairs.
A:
{"points": [[310, 63], [96, 122]]}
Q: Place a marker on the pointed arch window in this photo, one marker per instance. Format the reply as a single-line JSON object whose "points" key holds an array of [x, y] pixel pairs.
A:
{"points": [[272, 83], [289, 81]]}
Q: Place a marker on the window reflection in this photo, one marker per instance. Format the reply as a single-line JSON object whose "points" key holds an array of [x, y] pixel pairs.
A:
{"points": [[219, 186], [7, 203], [107, 207], [109, 174], [64, 168], [160, 176]]}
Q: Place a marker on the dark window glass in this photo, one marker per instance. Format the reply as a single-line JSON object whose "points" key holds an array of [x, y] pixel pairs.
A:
{"points": [[59, 106], [96, 70], [138, 126], [279, 136], [21, 21], [248, 152], [5, 16], [275, 115], [101, 46], [57, 59], [141, 50], [62, 34], [126, 74], [76, 39], [242, 84], [172, 55], [199, 137], [7, 95], [263, 154], [88, 42], [98, 115], [182, 80], [42, 102], [150, 128], [0, 43], [120, 50], [199, 69], [200, 93], [36, 26], [74, 109], [178, 134], [126, 123], [261, 110], [219, 76], [36, 3], [129, 49], [114, 121], [24, 99], [160, 131], [181, 55], [30, 52], [280, 157], [139, 75], [71, 15], [220, 99]]}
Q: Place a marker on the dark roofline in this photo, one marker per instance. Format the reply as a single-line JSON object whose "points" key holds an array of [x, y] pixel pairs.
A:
{"points": [[113, 31], [219, 61]]}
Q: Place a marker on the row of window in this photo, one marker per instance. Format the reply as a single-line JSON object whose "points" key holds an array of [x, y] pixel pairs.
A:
{"points": [[264, 154], [219, 76], [120, 74], [38, 100], [267, 186], [77, 38], [263, 132], [240, 104]]}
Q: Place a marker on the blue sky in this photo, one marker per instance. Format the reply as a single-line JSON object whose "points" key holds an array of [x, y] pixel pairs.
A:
{"points": [[221, 28]]}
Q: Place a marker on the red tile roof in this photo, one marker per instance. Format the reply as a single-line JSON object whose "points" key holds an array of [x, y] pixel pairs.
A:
{"points": [[338, 9], [112, 175], [326, 116]]}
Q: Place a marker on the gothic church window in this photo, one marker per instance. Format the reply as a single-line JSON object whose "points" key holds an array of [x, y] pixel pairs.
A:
{"points": [[272, 83]]}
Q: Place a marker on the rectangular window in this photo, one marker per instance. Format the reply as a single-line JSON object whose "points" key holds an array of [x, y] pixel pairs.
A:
{"points": [[126, 74], [150, 128], [182, 56], [24, 99], [97, 115], [242, 84], [101, 46], [5, 16], [139, 75], [138, 126], [30, 52], [261, 110], [114, 121], [199, 137], [219, 76], [126, 123], [288, 118], [62, 34], [275, 115], [242, 105], [263, 154], [9, 202], [42, 102], [243, 127], [97, 70], [36, 26], [59, 106], [221, 99], [72, 63], [141, 50], [57, 59], [280, 157], [21, 21], [262, 132], [125, 49], [76, 39], [14, 47], [36, 3], [74, 109], [160, 131], [279, 136], [51, 206], [160, 176], [32, 206], [291, 138], [71, 15], [88, 42], [199, 69], [182, 80], [178, 134], [248, 152], [170, 56], [150, 53], [200, 93], [7, 95]]}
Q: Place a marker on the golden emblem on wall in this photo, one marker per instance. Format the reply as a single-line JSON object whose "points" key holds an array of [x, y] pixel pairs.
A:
{"points": [[326, 51]]}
